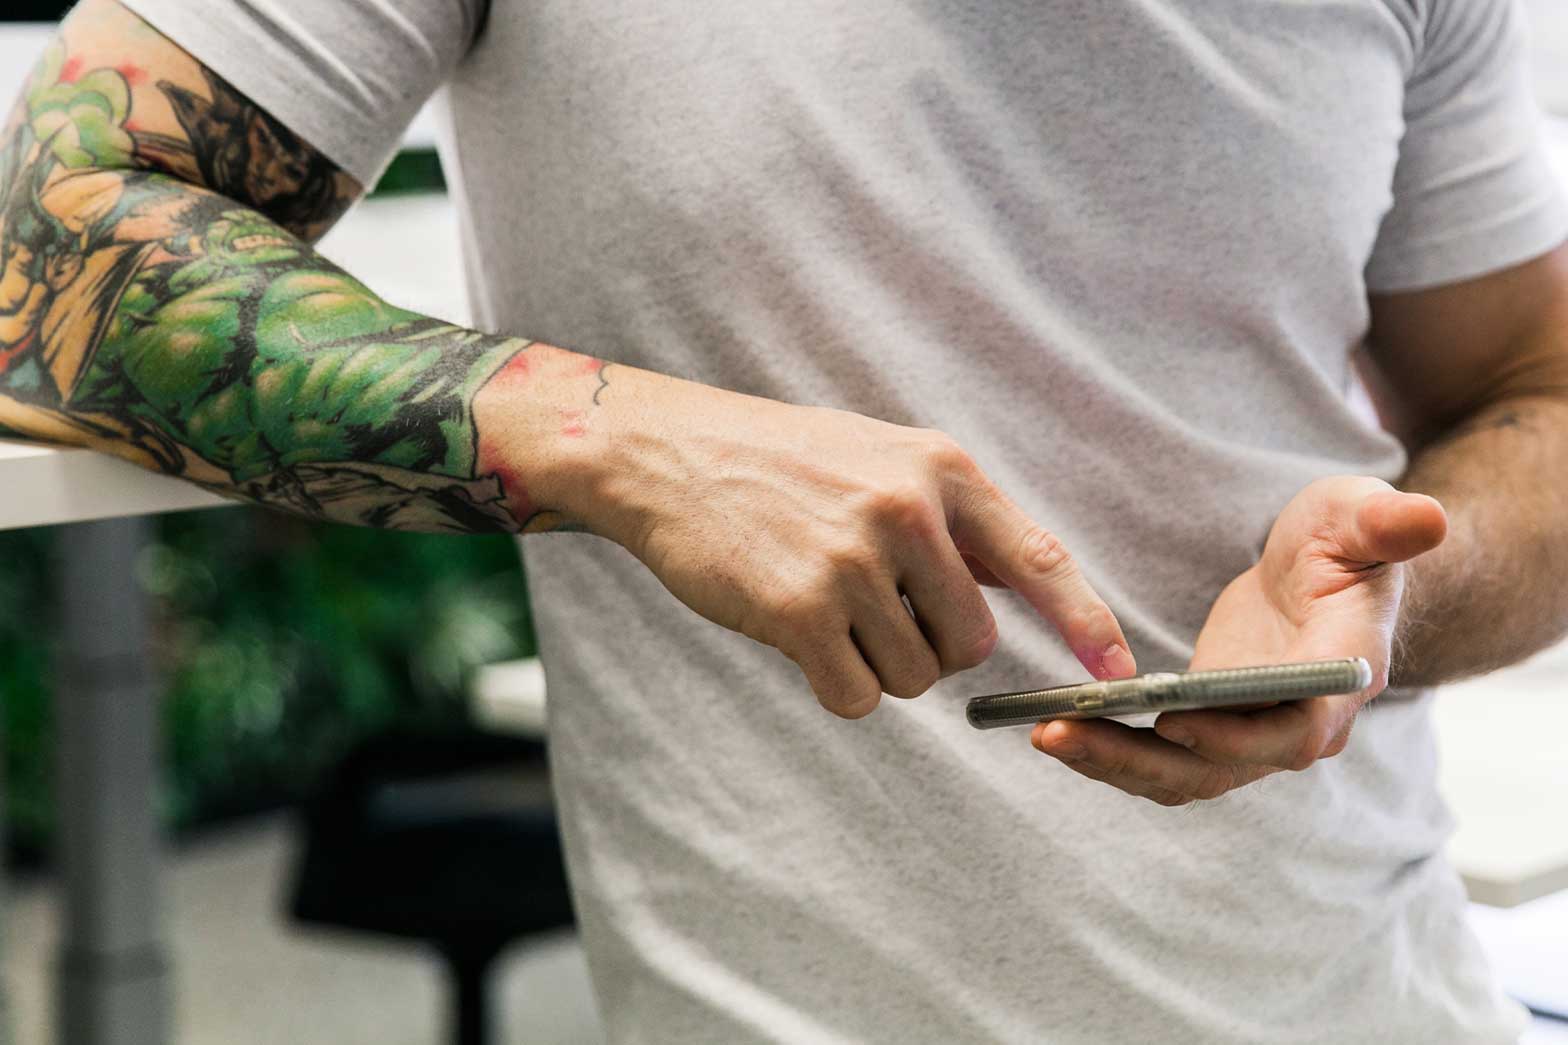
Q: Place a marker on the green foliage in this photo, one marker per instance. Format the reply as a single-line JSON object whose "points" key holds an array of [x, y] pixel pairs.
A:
{"points": [[35, 10], [412, 170], [280, 642], [26, 723]]}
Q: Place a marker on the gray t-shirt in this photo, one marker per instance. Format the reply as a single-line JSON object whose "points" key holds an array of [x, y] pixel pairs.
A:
{"points": [[1121, 250]]}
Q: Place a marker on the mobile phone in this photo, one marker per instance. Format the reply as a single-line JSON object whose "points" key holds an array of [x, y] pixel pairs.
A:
{"points": [[1172, 691]]}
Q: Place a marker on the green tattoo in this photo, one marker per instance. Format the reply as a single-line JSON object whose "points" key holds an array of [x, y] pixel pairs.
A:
{"points": [[196, 331]]}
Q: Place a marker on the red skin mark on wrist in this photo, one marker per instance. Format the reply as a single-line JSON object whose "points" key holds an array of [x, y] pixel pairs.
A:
{"points": [[490, 459], [494, 411], [513, 371], [517, 500], [134, 74], [70, 70]]}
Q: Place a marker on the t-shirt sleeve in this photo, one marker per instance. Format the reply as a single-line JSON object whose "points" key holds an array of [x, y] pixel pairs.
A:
{"points": [[348, 77], [1474, 188]]}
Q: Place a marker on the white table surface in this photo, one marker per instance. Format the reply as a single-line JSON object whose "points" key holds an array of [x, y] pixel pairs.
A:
{"points": [[1504, 771], [40, 486]]}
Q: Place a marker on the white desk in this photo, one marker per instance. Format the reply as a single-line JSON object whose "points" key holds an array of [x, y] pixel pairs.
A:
{"points": [[40, 486], [1504, 771]]}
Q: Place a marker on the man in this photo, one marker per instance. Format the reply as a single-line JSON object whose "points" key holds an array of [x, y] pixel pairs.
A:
{"points": [[1044, 278]]}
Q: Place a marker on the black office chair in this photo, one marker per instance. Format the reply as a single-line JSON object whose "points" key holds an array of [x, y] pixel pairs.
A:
{"points": [[450, 840]]}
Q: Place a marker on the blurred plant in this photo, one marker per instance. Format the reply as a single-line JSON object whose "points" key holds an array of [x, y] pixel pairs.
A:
{"points": [[35, 10], [26, 723], [280, 643]]}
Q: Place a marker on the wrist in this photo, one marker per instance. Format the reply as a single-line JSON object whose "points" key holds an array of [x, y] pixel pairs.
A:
{"points": [[529, 418], [653, 446], [1401, 669], [594, 438], [1423, 651]]}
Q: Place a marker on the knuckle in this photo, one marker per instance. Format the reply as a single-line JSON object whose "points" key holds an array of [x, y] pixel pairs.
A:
{"points": [[947, 454], [849, 701], [1097, 620], [1169, 799], [910, 684], [852, 560], [798, 610], [1042, 551], [977, 650], [904, 507]]}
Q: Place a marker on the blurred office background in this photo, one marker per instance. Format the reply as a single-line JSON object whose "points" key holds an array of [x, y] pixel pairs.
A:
{"points": [[284, 645]]}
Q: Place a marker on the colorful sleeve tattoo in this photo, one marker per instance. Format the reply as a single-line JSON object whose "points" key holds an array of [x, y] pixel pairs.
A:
{"points": [[159, 300]]}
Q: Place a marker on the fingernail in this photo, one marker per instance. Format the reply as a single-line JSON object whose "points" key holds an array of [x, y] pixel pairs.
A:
{"points": [[1067, 751], [1176, 735], [1116, 662]]}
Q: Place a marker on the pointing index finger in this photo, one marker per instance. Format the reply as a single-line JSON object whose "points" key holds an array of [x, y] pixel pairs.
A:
{"points": [[1033, 562]]}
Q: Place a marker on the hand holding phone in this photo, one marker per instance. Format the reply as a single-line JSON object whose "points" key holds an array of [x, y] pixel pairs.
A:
{"points": [[1172, 691]]}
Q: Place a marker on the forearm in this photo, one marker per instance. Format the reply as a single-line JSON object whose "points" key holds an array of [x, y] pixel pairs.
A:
{"points": [[194, 336], [1496, 590]]}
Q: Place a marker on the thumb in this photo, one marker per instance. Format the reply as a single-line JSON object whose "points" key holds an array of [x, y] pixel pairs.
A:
{"points": [[1391, 526]]}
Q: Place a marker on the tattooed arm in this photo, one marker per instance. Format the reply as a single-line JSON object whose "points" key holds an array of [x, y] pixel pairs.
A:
{"points": [[159, 300]]}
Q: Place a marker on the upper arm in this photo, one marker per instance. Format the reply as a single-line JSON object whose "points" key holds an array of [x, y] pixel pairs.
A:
{"points": [[1474, 190], [149, 105], [1442, 353], [1467, 278]]}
